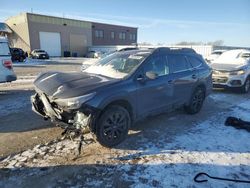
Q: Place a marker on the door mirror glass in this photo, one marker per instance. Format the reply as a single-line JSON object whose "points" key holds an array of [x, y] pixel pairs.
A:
{"points": [[151, 75]]}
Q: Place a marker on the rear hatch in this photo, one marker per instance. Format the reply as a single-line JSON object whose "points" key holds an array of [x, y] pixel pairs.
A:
{"points": [[6, 67]]}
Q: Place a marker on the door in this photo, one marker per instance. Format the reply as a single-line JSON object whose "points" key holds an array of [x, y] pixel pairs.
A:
{"points": [[183, 77], [51, 43], [78, 44], [153, 95]]}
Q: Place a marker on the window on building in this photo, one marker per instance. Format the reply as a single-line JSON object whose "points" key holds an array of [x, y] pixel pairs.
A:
{"points": [[132, 36], [122, 36], [112, 35], [99, 33]]}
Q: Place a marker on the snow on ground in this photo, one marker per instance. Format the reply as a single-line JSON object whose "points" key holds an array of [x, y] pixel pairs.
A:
{"points": [[209, 147], [25, 79], [29, 62], [14, 104]]}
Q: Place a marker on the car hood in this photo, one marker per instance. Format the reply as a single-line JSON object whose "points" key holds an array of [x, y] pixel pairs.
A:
{"points": [[67, 85], [228, 67], [229, 64]]}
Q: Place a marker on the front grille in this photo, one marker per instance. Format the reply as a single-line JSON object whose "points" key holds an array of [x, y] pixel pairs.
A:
{"points": [[220, 80]]}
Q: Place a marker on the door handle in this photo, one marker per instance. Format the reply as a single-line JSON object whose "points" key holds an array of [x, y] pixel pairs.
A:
{"points": [[194, 76], [170, 81]]}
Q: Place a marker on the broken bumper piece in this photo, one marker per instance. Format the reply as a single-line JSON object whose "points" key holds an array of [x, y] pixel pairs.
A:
{"points": [[78, 119]]}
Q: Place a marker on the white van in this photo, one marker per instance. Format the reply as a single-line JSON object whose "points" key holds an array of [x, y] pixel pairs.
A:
{"points": [[6, 70]]}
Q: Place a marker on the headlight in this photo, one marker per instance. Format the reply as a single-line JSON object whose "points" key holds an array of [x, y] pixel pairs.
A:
{"points": [[239, 72], [74, 103]]}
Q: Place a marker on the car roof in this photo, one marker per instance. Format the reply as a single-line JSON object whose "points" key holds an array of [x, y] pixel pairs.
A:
{"points": [[161, 50], [135, 51], [38, 50], [16, 48], [3, 39], [231, 55], [235, 53]]}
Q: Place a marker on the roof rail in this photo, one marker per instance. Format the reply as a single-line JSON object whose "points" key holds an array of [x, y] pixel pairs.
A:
{"points": [[186, 50], [162, 49], [174, 49]]}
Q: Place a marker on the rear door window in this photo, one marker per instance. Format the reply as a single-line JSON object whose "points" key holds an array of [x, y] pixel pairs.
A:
{"points": [[178, 63], [4, 49]]}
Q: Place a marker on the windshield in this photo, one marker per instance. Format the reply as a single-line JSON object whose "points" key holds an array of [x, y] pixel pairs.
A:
{"points": [[39, 51], [4, 49], [118, 65], [217, 53], [245, 55]]}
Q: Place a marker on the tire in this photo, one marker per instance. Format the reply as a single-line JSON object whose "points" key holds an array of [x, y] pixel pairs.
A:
{"points": [[245, 88], [195, 104], [113, 126], [21, 59]]}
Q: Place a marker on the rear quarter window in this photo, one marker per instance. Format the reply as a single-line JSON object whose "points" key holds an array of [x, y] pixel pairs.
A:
{"points": [[4, 49], [195, 62]]}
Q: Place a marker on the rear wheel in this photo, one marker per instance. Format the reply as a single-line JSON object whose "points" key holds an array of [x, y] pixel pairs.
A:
{"points": [[196, 101], [113, 125], [245, 88], [21, 59]]}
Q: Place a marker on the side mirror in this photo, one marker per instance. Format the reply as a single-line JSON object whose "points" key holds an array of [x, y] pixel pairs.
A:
{"points": [[141, 78], [151, 75]]}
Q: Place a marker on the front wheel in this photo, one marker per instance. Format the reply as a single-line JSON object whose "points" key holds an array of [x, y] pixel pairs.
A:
{"points": [[113, 126], [245, 88], [196, 101]]}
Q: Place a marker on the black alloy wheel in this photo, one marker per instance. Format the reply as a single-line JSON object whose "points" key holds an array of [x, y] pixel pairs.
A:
{"points": [[196, 101], [245, 88], [113, 126]]}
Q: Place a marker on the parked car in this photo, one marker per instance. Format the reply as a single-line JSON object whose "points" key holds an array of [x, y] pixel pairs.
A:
{"points": [[111, 95], [6, 70], [89, 62], [128, 48], [17, 54], [214, 55], [232, 70], [94, 54], [39, 54]]}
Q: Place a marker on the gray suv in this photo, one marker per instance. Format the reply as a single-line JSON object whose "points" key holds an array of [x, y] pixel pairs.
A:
{"points": [[122, 88]]}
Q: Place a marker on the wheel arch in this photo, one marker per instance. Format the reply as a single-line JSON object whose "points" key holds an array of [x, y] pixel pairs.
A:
{"points": [[123, 103], [203, 86], [119, 102]]}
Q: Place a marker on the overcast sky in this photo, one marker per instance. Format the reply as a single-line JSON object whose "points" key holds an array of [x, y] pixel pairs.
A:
{"points": [[158, 21]]}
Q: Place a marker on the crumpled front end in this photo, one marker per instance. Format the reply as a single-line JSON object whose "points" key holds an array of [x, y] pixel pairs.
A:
{"points": [[76, 119]]}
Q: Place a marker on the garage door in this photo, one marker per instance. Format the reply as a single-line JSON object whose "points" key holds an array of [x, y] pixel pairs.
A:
{"points": [[51, 43], [78, 44]]}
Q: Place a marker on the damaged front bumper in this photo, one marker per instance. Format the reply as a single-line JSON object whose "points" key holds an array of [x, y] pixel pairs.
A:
{"points": [[79, 119]]}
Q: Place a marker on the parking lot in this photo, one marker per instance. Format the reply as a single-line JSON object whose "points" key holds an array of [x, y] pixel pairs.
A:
{"points": [[175, 143]]}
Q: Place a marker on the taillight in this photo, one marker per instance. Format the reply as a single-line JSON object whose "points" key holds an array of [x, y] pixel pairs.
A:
{"points": [[7, 64]]}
